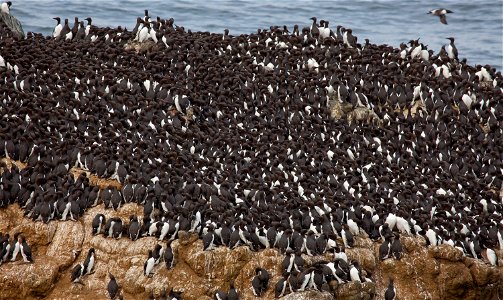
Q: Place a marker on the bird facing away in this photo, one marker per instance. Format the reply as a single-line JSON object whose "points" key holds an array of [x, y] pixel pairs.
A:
{"points": [[390, 293], [441, 14], [112, 287]]}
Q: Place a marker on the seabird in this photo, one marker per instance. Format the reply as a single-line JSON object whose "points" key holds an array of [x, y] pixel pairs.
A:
{"points": [[149, 264], [66, 32], [25, 250], [6, 7], [390, 293], [385, 249], [280, 287], [89, 262], [133, 228], [77, 273], [97, 224], [57, 30], [112, 287], [451, 49], [260, 282], [396, 247], [440, 13]]}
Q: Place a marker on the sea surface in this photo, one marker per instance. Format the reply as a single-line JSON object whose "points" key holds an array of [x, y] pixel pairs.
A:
{"points": [[477, 25]]}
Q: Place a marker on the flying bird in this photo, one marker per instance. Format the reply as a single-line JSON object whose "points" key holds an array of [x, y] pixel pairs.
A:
{"points": [[441, 13]]}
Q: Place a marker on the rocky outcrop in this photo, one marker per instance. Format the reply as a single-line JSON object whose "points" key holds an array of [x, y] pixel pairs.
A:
{"points": [[440, 272], [12, 24]]}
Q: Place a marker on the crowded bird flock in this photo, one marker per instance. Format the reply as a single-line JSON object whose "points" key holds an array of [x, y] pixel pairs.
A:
{"points": [[232, 138]]}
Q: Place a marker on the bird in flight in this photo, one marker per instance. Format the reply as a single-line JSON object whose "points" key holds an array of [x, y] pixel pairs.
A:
{"points": [[441, 13]]}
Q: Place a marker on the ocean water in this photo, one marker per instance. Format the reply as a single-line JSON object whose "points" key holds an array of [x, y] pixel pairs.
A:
{"points": [[477, 26]]}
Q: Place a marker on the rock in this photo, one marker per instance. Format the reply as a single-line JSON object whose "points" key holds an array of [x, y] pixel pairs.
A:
{"points": [[141, 47], [208, 264], [184, 238], [363, 114], [308, 295], [412, 243], [13, 24], [20, 280], [340, 110], [482, 274], [446, 252], [102, 183], [354, 290], [365, 257], [457, 281], [428, 273], [67, 240]]}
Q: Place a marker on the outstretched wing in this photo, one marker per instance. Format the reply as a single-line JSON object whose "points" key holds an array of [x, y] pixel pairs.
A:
{"points": [[443, 19]]}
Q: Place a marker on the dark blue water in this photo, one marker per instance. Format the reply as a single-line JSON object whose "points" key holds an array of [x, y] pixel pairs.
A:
{"points": [[476, 25]]}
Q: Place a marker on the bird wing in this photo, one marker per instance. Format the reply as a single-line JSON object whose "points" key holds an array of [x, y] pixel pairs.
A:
{"points": [[455, 52], [76, 271], [443, 19]]}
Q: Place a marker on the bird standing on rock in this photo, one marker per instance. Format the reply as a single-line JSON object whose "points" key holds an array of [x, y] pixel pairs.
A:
{"points": [[77, 273], [89, 25], [57, 29], [89, 262], [396, 247], [14, 247], [149, 264], [260, 282], [134, 228], [390, 293], [174, 295], [452, 51], [314, 28], [66, 32], [75, 27], [5, 248], [25, 250], [6, 7], [82, 269], [385, 249], [233, 293], [112, 287], [97, 224]]}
